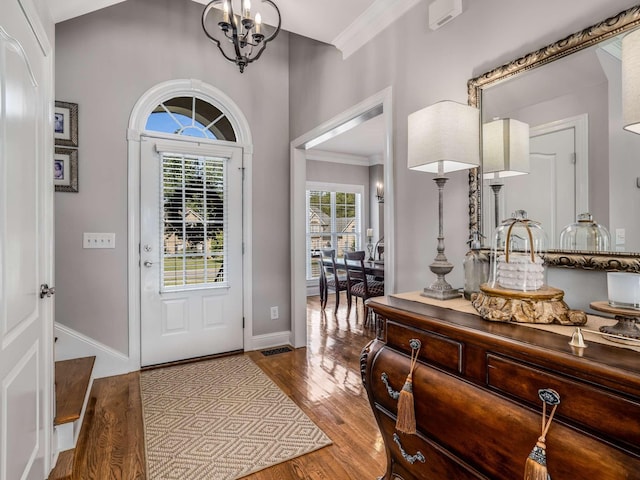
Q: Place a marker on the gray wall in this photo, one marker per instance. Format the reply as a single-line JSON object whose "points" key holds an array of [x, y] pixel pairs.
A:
{"points": [[424, 67], [376, 176], [104, 62], [332, 172]]}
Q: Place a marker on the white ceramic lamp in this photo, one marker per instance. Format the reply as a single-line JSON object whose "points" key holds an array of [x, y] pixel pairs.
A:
{"points": [[442, 138], [505, 148], [505, 153]]}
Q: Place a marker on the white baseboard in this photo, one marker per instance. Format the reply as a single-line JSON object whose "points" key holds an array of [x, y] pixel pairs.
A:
{"points": [[260, 342], [109, 362], [72, 344]]}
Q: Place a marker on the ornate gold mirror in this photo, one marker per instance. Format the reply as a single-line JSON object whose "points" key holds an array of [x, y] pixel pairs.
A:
{"points": [[570, 87]]}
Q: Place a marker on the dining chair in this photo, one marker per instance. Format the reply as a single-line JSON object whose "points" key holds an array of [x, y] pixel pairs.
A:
{"points": [[359, 284], [330, 279]]}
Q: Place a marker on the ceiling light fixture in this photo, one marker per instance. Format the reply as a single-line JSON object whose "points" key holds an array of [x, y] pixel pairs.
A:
{"points": [[248, 36]]}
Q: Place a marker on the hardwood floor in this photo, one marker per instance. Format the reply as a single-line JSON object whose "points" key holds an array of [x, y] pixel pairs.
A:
{"points": [[323, 379]]}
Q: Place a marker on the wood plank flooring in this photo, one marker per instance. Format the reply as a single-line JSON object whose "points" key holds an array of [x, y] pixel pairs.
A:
{"points": [[323, 379]]}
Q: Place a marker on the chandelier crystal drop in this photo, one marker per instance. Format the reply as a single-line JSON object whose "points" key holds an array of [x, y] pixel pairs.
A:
{"points": [[240, 37]]}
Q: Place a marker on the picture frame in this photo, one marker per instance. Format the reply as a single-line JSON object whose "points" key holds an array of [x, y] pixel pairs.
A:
{"points": [[65, 124], [65, 170]]}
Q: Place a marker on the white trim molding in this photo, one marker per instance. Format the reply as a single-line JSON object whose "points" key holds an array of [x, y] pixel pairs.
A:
{"points": [[73, 344], [374, 20], [342, 158], [270, 340], [142, 109]]}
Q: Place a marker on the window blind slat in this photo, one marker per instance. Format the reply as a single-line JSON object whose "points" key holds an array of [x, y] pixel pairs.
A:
{"points": [[194, 221]]}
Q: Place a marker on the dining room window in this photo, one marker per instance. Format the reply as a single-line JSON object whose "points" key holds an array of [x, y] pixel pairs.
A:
{"points": [[334, 220]]}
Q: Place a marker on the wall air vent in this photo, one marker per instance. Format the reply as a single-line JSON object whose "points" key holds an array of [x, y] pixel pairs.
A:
{"points": [[443, 11]]}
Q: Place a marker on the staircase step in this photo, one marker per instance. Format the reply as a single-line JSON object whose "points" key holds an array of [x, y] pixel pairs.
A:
{"points": [[72, 383], [64, 466]]}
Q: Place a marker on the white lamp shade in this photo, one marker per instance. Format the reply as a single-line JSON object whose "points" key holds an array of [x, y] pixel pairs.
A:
{"points": [[444, 137], [505, 148], [631, 81]]}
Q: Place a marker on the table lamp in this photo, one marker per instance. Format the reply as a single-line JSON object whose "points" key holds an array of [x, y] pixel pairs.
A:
{"points": [[505, 153], [443, 137]]}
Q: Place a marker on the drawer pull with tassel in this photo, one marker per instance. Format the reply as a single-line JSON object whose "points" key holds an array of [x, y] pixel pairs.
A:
{"points": [[406, 421], [392, 393], [536, 463], [409, 458]]}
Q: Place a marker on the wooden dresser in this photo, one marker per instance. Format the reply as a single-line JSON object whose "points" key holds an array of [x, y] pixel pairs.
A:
{"points": [[476, 398]]}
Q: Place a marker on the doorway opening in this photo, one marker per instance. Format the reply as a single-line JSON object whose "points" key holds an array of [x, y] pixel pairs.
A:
{"points": [[378, 105]]}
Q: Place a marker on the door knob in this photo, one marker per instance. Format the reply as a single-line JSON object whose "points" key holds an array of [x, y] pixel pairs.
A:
{"points": [[147, 263], [46, 290]]}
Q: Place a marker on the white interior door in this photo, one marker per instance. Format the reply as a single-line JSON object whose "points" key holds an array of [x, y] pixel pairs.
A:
{"points": [[25, 185], [552, 170], [522, 192], [191, 250]]}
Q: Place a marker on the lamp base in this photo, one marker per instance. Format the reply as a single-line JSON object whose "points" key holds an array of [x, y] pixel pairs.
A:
{"points": [[438, 294]]}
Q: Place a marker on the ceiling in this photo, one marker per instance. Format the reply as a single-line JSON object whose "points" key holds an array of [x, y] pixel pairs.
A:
{"points": [[346, 24], [365, 140], [328, 21]]}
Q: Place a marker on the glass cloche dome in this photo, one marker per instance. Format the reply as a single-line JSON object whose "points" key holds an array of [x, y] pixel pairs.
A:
{"points": [[517, 247], [585, 234]]}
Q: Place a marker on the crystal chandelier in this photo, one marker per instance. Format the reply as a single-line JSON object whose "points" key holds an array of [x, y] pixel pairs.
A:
{"points": [[247, 35]]}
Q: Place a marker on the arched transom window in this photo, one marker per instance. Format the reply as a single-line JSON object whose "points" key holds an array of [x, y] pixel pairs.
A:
{"points": [[192, 117]]}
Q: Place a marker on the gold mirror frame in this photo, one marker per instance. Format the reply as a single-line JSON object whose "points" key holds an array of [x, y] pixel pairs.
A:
{"points": [[611, 27]]}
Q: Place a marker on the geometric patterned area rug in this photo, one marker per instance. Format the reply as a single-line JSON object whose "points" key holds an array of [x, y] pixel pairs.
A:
{"points": [[220, 419]]}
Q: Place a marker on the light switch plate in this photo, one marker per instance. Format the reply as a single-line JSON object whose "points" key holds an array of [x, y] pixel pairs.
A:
{"points": [[98, 240]]}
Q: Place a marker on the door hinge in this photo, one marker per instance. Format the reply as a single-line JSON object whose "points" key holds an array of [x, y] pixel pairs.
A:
{"points": [[574, 158], [243, 248], [242, 322]]}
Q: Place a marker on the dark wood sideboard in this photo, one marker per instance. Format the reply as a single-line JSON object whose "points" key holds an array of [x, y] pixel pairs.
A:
{"points": [[477, 408]]}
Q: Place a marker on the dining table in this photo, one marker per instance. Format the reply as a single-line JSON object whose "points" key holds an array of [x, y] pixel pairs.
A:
{"points": [[371, 267]]}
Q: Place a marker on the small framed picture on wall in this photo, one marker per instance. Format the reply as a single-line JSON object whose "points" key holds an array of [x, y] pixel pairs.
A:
{"points": [[65, 124], [65, 169]]}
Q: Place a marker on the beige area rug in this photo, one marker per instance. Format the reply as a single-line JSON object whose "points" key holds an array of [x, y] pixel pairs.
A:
{"points": [[220, 419]]}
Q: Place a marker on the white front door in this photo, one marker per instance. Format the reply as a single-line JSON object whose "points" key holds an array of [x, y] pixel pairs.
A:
{"points": [[26, 185], [190, 250]]}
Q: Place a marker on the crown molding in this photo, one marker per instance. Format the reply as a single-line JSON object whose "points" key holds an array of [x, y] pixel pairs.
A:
{"points": [[614, 48], [344, 158], [375, 19], [376, 159]]}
